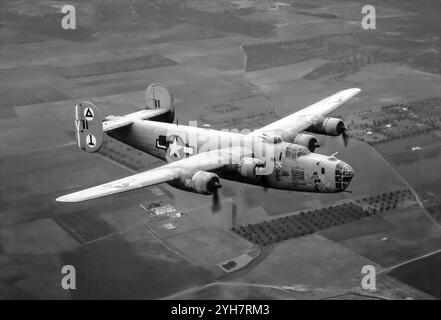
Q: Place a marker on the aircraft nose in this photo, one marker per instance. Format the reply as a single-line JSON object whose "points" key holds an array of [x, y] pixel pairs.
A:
{"points": [[343, 175]]}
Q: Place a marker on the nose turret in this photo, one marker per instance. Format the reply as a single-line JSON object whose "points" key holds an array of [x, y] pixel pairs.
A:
{"points": [[343, 175]]}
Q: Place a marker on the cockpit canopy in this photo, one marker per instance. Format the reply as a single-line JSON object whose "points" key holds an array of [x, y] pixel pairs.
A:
{"points": [[295, 151]]}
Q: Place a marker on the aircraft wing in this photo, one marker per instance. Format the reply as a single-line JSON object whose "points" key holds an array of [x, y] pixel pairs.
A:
{"points": [[206, 161], [304, 118]]}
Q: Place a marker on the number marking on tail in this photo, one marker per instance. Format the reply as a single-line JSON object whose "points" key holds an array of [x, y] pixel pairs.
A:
{"points": [[91, 140]]}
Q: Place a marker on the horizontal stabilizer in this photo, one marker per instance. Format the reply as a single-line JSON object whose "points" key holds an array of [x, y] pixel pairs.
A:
{"points": [[115, 122], [159, 106]]}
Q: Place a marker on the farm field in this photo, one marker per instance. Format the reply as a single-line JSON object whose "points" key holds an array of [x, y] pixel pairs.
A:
{"points": [[240, 65]]}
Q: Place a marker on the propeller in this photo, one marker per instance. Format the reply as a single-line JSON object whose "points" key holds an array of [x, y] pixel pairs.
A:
{"points": [[214, 186], [313, 144], [342, 129]]}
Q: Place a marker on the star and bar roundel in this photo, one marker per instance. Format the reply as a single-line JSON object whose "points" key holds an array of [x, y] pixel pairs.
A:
{"points": [[174, 146]]}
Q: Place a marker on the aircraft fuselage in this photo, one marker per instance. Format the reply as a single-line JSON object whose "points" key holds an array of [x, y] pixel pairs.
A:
{"points": [[289, 166]]}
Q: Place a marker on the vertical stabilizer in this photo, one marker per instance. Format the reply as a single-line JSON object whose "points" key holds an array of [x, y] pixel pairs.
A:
{"points": [[88, 127]]}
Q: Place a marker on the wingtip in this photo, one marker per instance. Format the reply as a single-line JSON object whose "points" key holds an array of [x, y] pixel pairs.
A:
{"points": [[66, 198], [351, 92], [62, 199]]}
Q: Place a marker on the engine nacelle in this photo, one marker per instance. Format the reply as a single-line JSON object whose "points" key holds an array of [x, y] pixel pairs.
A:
{"points": [[202, 182], [250, 167], [328, 126], [307, 140]]}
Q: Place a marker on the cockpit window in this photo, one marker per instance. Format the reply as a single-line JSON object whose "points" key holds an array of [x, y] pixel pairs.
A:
{"points": [[291, 153], [296, 151]]}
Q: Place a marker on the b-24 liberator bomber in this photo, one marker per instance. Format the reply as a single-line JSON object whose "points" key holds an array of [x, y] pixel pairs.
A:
{"points": [[279, 155]]}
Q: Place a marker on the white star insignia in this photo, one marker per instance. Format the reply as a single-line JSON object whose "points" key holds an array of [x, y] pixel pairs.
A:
{"points": [[174, 148]]}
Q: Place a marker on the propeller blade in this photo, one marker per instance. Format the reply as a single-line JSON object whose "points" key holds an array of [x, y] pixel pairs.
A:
{"points": [[265, 183], [216, 205], [345, 137], [214, 187]]}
